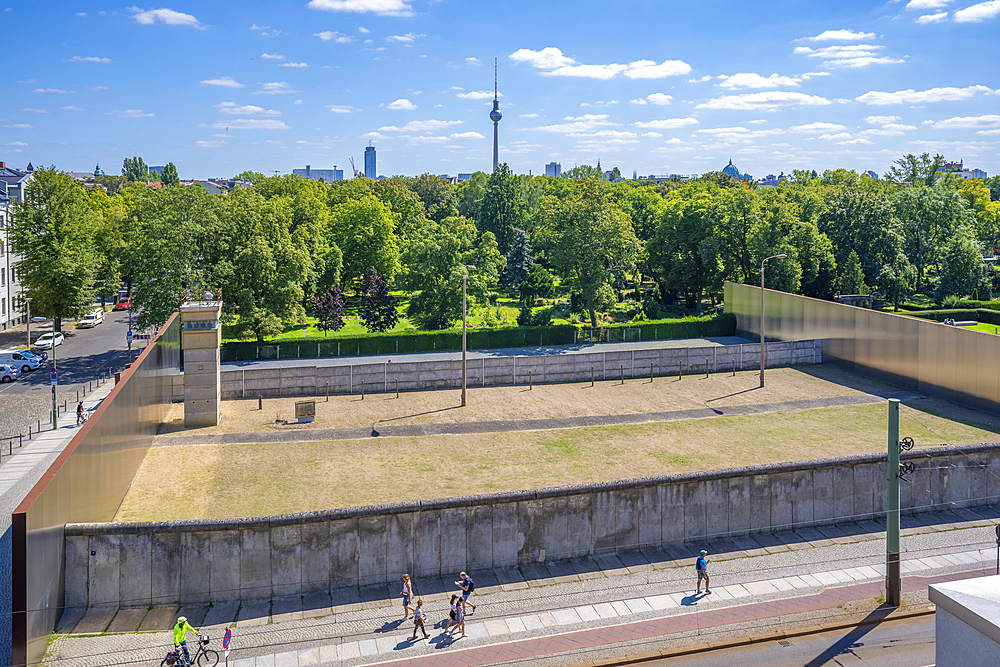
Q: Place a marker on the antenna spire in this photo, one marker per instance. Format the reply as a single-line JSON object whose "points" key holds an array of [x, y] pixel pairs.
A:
{"points": [[495, 89]]}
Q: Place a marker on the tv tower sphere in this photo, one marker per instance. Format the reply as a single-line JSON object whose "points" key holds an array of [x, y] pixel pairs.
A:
{"points": [[495, 115]]}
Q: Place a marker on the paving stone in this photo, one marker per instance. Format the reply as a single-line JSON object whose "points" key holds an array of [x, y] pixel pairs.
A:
{"points": [[658, 557], [128, 619], [737, 591], [814, 537], [869, 572], [221, 614], [760, 587], [510, 579], [329, 653], [621, 608], [94, 621], [350, 650], [532, 622], [254, 613], [561, 571], [286, 659], [854, 573], [605, 610], [635, 561], [547, 619], [792, 540], [344, 600], [720, 594], [264, 661], [316, 605], [476, 630], [308, 656], [608, 565], [515, 625], [796, 582], [368, 647], [587, 613], [749, 545], [495, 627], [69, 618], [536, 574], [810, 580], [286, 609], [659, 602], [638, 605], [781, 584], [245, 662], [723, 548]]}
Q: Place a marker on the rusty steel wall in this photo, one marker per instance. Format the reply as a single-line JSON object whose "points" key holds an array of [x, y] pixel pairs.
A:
{"points": [[953, 363], [87, 482]]}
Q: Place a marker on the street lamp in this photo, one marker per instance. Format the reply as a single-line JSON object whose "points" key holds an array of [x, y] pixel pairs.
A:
{"points": [[763, 349], [465, 276]]}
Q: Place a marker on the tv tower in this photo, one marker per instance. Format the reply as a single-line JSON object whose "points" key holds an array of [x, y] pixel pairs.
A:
{"points": [[495, 116]]}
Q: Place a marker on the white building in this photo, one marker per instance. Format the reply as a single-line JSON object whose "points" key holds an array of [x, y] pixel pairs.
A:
{"points": [[12, 184], [325, 175], [966, 622], [963, 173], [553, 169]]}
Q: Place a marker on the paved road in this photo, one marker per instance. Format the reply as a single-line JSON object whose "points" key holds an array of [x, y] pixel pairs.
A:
{"points": [[81, 359], [905, 643], [582, 348]]}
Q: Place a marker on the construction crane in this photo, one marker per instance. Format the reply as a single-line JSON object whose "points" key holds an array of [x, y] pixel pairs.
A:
{"points": [[353, 167]]}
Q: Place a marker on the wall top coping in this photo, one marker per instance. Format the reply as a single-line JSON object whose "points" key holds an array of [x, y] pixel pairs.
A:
{"points": [[344, 513]]}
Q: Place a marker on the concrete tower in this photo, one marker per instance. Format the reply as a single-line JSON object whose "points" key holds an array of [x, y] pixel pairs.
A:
{"points": [[495, 116]]}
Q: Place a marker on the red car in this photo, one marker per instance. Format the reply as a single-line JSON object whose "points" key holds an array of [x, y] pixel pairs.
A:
{"points": [[122, 305]]}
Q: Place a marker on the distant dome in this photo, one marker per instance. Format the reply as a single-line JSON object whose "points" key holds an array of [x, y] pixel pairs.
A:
{"points": [[732, 170], [495, 115]]}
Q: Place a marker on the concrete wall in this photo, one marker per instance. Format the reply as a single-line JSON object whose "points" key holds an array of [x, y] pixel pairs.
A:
{"points": [[493, 371], [137, 564]]}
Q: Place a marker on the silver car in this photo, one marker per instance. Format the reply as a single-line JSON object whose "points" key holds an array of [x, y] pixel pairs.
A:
{"points": [[8, 373]]}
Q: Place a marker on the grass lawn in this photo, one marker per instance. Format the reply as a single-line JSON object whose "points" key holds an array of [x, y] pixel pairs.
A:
{"points": [[988, 328], [264, 479]]}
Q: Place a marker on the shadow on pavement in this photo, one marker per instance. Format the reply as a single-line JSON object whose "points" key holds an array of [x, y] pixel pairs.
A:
{"points": [[850, 641]]}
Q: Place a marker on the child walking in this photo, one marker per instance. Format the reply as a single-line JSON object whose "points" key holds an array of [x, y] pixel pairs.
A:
{"points": [[418, 620]]}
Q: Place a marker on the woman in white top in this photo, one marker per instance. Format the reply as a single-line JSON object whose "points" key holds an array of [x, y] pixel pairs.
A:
{"points": [[407, 594]]}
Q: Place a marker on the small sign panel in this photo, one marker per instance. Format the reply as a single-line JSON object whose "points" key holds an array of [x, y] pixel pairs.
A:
{"points": [[128, 337], [226, 638], [305, 411], [52, 376]]}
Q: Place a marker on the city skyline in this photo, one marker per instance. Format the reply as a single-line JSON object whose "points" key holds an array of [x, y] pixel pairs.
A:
{"points": [[313, 82]]}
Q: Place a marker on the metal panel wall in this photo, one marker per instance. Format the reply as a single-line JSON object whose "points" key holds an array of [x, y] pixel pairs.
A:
{"points": [[87, 482], [953, 363]]}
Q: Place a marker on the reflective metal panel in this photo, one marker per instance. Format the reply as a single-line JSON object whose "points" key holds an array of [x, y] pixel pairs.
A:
{"points": [[943, 361], [86, 483]]}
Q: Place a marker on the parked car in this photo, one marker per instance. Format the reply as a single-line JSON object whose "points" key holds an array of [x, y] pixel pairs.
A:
{"points": [[124, 304], [8, 373], [20, 359], [92, 319], [49, 340], [39, 318]]}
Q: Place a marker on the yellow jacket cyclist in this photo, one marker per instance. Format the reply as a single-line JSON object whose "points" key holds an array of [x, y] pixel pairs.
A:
{"points": [[180, 636]]}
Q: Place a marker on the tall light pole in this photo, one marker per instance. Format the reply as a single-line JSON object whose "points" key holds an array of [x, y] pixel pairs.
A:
{"points": [[763, 349], [27, 301], [465, 276]]}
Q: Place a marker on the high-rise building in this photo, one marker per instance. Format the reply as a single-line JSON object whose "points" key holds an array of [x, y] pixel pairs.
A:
{"points": [[325, 175], [370, 171], [495, 116], [553, 169]]}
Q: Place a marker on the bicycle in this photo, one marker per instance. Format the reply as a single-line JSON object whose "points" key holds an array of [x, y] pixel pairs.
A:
{"points": [[203, 657]]}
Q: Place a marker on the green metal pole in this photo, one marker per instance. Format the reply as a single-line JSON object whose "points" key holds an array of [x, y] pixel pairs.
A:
{"points": [[892, 586]]}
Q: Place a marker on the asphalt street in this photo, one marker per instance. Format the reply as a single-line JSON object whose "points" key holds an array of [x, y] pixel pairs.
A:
{"points": [[904, 643], [82, 358]]}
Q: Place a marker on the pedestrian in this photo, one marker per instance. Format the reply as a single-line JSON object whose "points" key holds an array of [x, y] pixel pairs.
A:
{"points": [[453, 614], [467, 585], [701, 565], [418, 620], [460, 618], [407, 595], [79, 413]]}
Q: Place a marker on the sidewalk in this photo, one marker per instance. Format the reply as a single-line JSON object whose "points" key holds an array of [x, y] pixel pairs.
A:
{"points": [[608, 603]]}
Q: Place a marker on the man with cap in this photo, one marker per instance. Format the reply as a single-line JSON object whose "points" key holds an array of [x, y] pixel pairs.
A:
{"points": [[180, 636], [701, 565]]}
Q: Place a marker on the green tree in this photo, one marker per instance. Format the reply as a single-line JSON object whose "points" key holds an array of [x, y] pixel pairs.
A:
{"points": [[134, 169], [963, 272], [436, 194], [616, 174], [852, 278], [929, 217], [861, 220], [922, 170], [520, 259], [540, 284], [364, 231], [378, 307], [583, 172], [470, 195], [502, 208], [594, 242], [169, 176], [51, 229]]}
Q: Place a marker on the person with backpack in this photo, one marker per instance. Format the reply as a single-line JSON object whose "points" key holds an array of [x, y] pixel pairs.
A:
{"points": [[701, 565], [418, 620], [467, 585]]}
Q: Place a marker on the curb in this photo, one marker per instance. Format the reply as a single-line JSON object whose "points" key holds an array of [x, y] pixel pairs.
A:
{"points": [[755, 639]]}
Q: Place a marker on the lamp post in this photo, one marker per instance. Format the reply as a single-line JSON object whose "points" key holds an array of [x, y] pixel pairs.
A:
{"points": [[27, 301], [465, 276], [763, 349]]}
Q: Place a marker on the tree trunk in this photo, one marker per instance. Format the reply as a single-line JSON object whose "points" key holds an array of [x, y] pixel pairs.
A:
{"points": [[593, 317], [57, 324]]}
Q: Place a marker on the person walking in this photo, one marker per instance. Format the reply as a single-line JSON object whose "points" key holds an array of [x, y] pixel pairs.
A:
{"points": [[79, 413], [467, 585], [460, 618], [407, 595], [701, 565], [180, 637], [453, 614], [418, 620]]}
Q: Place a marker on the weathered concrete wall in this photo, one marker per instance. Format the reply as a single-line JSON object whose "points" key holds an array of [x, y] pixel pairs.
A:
{"points": [[135, 564], [308, 380]]}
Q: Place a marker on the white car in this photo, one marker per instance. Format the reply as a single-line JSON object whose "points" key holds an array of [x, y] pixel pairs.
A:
{"points": [[91, 320], [8, 373], [49, 340]]}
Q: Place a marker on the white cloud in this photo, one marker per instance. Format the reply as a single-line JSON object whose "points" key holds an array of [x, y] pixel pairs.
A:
{"points": [[30, 110], [274, 88], [363, 30], [602, 72], [548, 58], [667, 123], [297, 102], [341, 108], [969, 122], [89, 59], [888, 130], [652, 135], [380, 7], [408, 38], [979, 12], [421, 126], [880, 120], [294, 65], [129, 113], [210, 144], [835, 137], [250, 124], [402, 104], [840, 36], [585, 123], [328, 35], [466, 135], [707, 77], [234, 109], [72, 108], [765, 100], [911, 96], [752, 80], [272, 56], [528, 115], [857, 141], [224, 81], [648, 69], [555, 63], [599, 103], [931, 18], [260, 27], [852, 55], [927, 4], [54, 90], [817, 128], [659, 99], [473, 61], [168, 16], [478, 95], [16, 143], [425, 139]]}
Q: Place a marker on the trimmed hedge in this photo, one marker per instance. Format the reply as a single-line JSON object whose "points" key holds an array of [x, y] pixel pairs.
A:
{"points": [[985, 315], [478, 339]]}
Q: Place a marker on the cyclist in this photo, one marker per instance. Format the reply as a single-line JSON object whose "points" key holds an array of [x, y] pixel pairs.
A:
{"points": [[79, 414], [180, 637]]}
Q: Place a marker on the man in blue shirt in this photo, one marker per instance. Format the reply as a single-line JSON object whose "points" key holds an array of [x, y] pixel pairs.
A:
{"points": [[701, 565]]}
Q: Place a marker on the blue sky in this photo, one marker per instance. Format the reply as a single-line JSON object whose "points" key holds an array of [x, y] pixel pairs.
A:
{"points": [[656, 87]]}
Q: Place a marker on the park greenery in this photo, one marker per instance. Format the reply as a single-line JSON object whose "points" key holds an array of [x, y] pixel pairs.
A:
{"points": [[392, 254]]}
